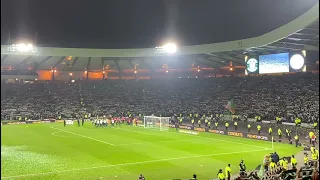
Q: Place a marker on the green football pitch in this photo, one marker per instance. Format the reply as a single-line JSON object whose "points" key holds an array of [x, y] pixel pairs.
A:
{"points": [[51, 151]]}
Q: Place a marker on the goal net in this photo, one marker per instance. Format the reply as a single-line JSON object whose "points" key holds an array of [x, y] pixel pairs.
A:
{"points": [[161, 123]]}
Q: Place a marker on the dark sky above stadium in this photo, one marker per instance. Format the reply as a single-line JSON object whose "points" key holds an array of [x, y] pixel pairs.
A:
{"points": [[142, 23]]}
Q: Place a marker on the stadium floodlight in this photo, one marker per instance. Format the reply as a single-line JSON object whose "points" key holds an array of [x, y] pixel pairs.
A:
{"points": [[24, 47], [170, 48], [161, 123]]}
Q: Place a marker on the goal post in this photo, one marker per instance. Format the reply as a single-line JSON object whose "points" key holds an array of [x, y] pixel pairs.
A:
{"points": [[154, 122]]}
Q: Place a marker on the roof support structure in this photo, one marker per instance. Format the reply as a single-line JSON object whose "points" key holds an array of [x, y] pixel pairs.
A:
{"points": [[74, 61], [205, 64], [148, 65], [228, 59], [255, 51], [119, 70], [133, 66], [3, 58], [218, 62], [236, 56], [88, 64], [102, 64], [283, 47], [23, 61], [299, 33], [270, 50], [61, 59], [43, 61]]}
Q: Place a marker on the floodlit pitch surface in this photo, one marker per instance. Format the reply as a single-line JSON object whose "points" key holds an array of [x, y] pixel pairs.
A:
{"points": [[51, 151]]}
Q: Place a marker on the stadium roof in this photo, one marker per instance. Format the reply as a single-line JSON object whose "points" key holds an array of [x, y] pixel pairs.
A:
{"points": [[299, 34]]}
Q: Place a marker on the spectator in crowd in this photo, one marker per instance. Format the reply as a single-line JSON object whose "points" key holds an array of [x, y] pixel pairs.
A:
{"points": [[268, 97]]}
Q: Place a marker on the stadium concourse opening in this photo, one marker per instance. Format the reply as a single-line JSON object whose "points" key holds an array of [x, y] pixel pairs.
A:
{"points": [[91, 100]]}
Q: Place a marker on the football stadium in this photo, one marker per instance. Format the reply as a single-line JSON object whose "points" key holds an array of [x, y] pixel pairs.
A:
{"points": [[238, 109]]}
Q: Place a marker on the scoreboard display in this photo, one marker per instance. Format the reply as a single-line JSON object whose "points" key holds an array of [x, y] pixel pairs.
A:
{"points": [[275, 63]]}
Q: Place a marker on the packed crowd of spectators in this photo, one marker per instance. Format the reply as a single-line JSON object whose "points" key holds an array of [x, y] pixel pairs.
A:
{"points": [[287, 96], [284, 168], [308, 171]]}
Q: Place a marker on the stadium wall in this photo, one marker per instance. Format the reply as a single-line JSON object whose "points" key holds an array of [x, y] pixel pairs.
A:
{"points": [[18, 77]]}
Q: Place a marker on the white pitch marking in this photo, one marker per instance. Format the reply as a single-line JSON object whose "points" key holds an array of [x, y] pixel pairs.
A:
{"points": [[198, 137], [133, 131], [83, 136], [132, 163], [152, 142], [55, 134]]}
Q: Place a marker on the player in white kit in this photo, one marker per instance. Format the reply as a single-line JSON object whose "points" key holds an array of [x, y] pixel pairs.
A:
{"points": [[104, 123], [112, 122], [100, 123]]}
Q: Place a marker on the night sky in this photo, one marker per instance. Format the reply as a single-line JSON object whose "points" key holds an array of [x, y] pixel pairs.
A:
{"points": [[142, 23]]}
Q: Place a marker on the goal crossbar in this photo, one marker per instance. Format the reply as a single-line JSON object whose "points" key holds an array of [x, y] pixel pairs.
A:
{"points": [[155, 122]]}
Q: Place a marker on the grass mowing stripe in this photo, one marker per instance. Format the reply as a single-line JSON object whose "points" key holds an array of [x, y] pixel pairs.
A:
{"points": [[132, 163], [83, 136], [193, 136]]}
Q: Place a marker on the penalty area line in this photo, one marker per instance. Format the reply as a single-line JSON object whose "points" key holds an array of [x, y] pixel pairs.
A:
{"points": [[56, 134], [84, 136], [131, 163], [199, 136]]}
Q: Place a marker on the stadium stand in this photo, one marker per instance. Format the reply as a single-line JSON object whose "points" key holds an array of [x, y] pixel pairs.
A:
{"points": [[290, 96]]}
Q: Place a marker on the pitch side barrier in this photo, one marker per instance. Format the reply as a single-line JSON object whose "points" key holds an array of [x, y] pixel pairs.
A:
{"points": [[229, 133], [44, 121]]}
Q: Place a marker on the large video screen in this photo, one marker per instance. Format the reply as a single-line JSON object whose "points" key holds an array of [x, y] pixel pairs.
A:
{"points": [[274, 63]]}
